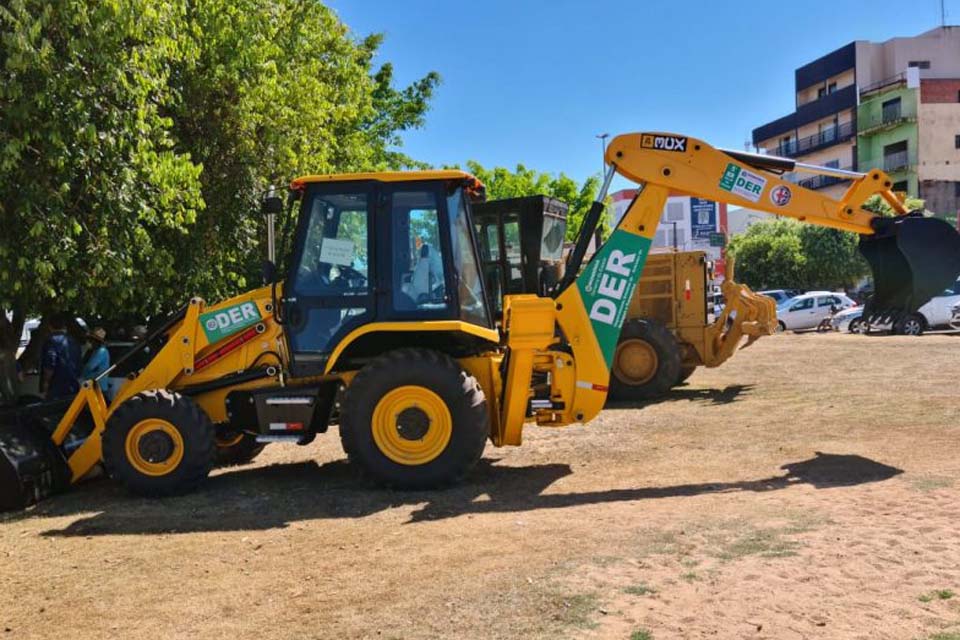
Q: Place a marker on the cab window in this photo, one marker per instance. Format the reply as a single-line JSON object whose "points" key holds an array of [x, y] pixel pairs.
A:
{"points": [[334, 260], [419, 277], [800, 305], [473, 307]]}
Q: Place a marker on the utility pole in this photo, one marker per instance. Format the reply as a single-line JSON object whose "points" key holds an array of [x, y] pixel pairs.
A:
{"points": [[943, 15]]}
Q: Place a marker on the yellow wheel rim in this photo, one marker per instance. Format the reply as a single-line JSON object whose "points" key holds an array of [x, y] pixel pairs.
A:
{"points": [[635, 361], [154, 447], [411, 425]]}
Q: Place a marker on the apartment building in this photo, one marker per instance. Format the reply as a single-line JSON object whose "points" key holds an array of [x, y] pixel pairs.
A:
{"points": [[893, 104]]}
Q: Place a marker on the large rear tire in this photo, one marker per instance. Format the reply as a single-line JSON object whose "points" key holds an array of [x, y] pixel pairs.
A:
{"points": [[646, 363], [159, 443], [414, 419]]}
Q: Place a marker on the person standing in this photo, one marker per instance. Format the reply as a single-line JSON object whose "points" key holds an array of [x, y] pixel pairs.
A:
{"points": [[59, 362], [98, 358]]}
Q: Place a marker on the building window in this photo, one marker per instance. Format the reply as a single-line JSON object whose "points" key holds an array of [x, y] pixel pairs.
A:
{"points": [[958, 96], [833, 164], [891, 110], [919, 64], [895, 156], [822, 91], [900, 186], [956, 142], [832, 87], [956, 189]]}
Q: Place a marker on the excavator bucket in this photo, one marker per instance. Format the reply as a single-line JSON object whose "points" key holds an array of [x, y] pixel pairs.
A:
{"points": [[31, 466], [912, 258]]}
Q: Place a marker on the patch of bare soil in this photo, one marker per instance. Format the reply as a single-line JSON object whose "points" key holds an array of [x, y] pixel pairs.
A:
{"points": [[806, 489]]}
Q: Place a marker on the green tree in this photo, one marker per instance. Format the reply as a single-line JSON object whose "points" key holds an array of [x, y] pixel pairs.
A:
{"points": [[94, 194], [831, 258], [502, 183], [136, 137], [769, 255]]}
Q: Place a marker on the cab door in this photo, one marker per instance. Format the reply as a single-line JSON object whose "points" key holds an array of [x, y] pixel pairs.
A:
{"points": [[329, 288]]}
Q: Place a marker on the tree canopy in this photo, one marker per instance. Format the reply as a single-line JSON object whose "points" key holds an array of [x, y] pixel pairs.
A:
{"points": [[503, 183], [137, 135]]}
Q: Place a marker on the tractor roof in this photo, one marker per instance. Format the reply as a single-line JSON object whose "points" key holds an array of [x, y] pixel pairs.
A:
{"points": [[387, 176]]}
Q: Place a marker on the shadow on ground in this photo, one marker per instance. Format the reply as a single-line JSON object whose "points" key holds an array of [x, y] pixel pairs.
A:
{"points": [[731, 393], [261, 498]]}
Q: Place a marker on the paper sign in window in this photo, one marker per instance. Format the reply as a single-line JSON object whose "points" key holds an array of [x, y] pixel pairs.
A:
{"points": [[337, 251]]}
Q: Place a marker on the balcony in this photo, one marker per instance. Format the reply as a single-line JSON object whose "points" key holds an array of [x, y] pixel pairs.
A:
{"points": [[887, 117], [899, 161], [830, 104], [822, 182], [822, 140], [892, 162]]}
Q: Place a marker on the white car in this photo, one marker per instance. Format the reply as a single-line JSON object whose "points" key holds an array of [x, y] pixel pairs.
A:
{"points": [[808, 310], [938, 312]]}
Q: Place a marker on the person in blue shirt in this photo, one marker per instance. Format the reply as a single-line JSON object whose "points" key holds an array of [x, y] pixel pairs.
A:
{"points": [[59, 362], [98, 358]]}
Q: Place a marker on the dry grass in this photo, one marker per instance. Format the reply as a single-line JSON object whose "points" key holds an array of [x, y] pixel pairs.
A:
{"points": [[807, 488]]}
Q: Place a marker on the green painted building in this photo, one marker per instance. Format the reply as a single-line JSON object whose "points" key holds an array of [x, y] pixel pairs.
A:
{"points": [[888, 134]]}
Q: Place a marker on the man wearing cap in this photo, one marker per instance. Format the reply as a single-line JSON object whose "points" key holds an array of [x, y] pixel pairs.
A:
{"points": [[98, 358]]}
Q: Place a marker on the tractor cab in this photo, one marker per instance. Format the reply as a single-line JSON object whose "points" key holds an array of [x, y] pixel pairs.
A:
{"points": [[374, 250], [521, 245]]}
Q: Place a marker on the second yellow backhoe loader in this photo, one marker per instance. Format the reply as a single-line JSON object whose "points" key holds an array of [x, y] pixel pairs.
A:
{"points": [[382, 312], [668, 332]]}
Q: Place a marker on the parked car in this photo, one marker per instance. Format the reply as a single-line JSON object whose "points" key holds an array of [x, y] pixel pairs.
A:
{"points": [[781, 295], [938, 312], [941, 311], [849, 320], [808, 310]]}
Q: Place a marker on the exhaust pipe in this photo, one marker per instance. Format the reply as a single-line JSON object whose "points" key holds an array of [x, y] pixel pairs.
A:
{"points": [[912, 258]]}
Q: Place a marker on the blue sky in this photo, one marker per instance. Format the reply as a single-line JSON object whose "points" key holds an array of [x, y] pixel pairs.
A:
{"points": [[534, 81]]}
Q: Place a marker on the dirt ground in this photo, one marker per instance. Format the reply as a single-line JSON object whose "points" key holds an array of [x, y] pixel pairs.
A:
{"points": [[806, 489]]}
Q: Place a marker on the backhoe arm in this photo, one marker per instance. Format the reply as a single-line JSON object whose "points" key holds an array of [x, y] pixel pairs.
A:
{"points": [[912, 257]]}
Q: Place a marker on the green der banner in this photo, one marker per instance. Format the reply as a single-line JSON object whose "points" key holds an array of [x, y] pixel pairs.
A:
{"points": [[607, 285], [224, 322]]}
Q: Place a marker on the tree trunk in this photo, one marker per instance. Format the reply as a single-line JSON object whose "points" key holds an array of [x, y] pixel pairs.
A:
{"points": [[10, 331]]}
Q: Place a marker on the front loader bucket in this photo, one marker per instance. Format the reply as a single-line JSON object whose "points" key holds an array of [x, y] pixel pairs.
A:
{"points": [[912, 259], [31, 466]]}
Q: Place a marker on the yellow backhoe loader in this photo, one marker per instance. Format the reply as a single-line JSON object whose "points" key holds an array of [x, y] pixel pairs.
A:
{"points": [[668, 332], [382, 314]]}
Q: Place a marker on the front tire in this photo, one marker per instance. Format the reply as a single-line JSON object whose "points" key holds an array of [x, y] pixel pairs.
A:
{"points": [[781, 327], [646, 363], [857, 326], [414, 419], [159, 443]]}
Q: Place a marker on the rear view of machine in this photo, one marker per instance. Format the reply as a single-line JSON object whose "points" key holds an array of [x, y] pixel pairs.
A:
{"points": [[669, 331]]}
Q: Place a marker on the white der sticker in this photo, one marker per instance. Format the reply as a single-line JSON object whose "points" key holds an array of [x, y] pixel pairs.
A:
{"points": [[337, 251], [742, 182]]}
